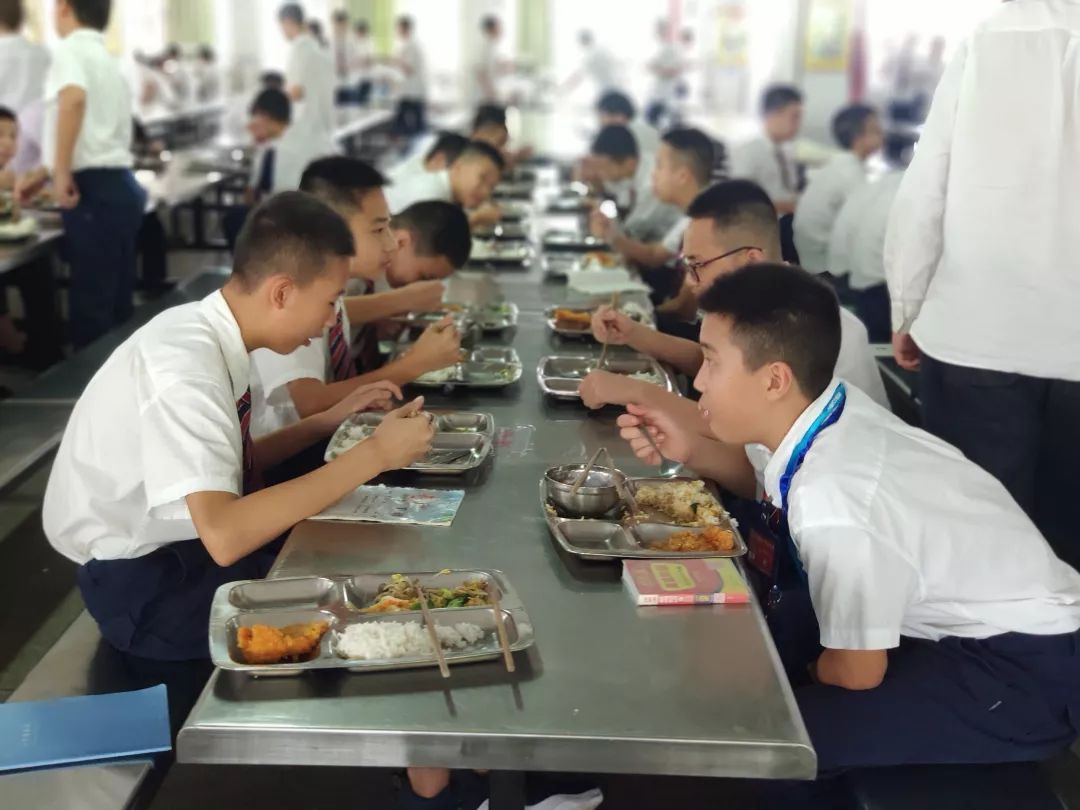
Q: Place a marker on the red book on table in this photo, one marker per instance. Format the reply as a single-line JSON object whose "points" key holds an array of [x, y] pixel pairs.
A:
{"points": [[707, 581]]}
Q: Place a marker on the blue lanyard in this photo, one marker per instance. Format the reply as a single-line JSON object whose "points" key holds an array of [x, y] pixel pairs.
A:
{"points": [[831, 413]]}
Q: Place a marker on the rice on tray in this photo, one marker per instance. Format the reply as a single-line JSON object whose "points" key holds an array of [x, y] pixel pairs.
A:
{"points": [[380, 640], [688, 503]]}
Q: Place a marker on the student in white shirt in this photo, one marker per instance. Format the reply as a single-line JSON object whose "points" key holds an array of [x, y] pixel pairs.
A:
{"points": [[732, 225], [597, 65], [206, 75], [615, 108], [857, 129], [618, 161], [667, 69], [155, 491], [443, 151], [857, 250], [769, 159], [411, 116], [363, 62], [309, 75], [318, 375], [343, 47], [683, 169], [433, 240], [486, 66], [469, 181], [88, 129], [946, 627], [24, 66], [982, 245]]}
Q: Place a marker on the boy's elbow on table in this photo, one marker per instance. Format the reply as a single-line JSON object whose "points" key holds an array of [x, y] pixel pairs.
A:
{"points": [[855, 670]]}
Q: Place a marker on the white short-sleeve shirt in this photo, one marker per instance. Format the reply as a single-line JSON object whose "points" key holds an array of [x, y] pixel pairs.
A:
{"points": [[901, 535], [856, 362], [414, 78], [157, 423], [417, 187], [820, 205], [857, 242], [673, 239], [311, 67], [81, 60], [24, 66], [759, 160]]}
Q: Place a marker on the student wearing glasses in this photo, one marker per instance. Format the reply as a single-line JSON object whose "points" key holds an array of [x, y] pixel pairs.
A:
{"points": [[732, 225]]}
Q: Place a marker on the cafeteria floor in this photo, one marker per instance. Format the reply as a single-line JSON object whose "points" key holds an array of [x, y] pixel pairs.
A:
{"points": [[39, 600]]}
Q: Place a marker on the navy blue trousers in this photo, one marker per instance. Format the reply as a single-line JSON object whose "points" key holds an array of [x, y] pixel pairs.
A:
{"points": [[158, 606], [872, 307], [100, 237]]}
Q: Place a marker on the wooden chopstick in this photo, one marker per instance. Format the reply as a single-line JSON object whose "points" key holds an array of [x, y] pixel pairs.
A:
{"points": [[432, 632], [585, 473], [500, 631], [604, 350]]}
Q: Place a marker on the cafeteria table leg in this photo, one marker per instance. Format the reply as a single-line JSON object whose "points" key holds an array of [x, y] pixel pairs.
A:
{"points": [[507, 790]]}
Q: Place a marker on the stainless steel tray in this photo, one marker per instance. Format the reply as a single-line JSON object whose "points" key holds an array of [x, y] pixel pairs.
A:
{"points": [[515, 210], [503, 232], [637, 312], [487, 367], [492, 252], [493, 317], [569, 263], [560, 376], [620, 537], [515, 189], [496, 317], [337, 600], [462, 440], [569, 203], [572, 241]]}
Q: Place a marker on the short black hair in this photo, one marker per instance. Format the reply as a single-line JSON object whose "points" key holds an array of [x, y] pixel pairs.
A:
{"points": [[450, 144], [206, 53], [341, 16], [743, 205], [92, 13], [11, 14], [291, 233], [489, 23], [848, 124], [294, 12], [7, 114], [616, 142], [696, 149], [479, 149], [615, 103], [489, 114], [781, 313], [405, 22], [438, 228], [361, 27], [778, 96], [341, 182], [174, 51], [585, 37], [272, 79], [272, 103]]}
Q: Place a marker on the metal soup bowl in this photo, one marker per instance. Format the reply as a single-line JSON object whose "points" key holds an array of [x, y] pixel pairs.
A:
{"points": [[596, 497]]}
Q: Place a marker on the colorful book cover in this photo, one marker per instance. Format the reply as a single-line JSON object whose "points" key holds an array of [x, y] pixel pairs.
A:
{"points": [[379, 504], [711, 581]]}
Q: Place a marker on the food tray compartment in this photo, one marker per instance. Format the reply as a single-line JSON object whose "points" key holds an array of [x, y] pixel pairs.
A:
{"points": [[503, 232], [634, 485], [572, 241], [488, 367], [490, 252], [360, 591], [485, 648], [561, 375], [465, 423], [297, 592], [645, 536], [496, 317], [592, 536], [280, 619]]}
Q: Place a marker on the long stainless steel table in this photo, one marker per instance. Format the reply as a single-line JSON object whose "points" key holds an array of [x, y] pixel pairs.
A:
{"points": [[608, 687]]}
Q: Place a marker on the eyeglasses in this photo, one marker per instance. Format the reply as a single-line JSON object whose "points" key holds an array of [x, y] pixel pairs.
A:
{"points": [[695, 268]]}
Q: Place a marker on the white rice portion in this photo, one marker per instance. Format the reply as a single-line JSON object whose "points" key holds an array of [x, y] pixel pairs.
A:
{"points": [[371, 641]]}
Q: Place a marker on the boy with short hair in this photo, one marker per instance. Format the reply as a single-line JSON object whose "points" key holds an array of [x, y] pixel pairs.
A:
{"points": [[626, 172], [857, 129], [948, 629], [768, 160], [732, 225], [158, 449], [433, 240], [310, 76], [305, 381], [469, 181], [281, 149], [444, 150]]}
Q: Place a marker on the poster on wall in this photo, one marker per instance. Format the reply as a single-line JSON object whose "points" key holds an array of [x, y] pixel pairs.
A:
{"points": [[732, 34], [828, 35]]}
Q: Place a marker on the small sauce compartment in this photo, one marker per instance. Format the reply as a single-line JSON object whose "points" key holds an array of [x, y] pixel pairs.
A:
{"points": [[594, 535], [463, 423], [312, 592], [567, 368]]}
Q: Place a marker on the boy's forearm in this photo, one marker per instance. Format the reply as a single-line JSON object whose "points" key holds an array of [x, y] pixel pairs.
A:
{"points": [[275, 447], [377, 306], [684, 355], [646, 254], [311, 397], [726, 464]]}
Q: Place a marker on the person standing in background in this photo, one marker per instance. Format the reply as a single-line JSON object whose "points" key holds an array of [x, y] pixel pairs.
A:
{"points": [[667, 69], [411, 118], [364, 62], [597, 64], [769, 159], [981, 253], [309, 76], [487, 65], [88, 128], [343, 47], [207, 78], [23, 66]]}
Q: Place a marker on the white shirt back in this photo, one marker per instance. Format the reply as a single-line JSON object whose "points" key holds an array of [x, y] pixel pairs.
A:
{"points": [[649, 219], [857, 242], [24, 66], [157, 422], [899, 534], [758, 160], [856, 362], [819, 206], [310, 66], [81, 60], [414, 78], [419, 186], [981, 251], [363, 58], [599, 65], [667, 59], [293, 151]]}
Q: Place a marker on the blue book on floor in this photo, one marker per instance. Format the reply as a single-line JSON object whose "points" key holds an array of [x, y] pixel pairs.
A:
{"points": [[80, 730]]}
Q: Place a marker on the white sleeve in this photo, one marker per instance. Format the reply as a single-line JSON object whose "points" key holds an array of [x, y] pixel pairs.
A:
{"points": [[744, 162], [190, 442], [278, 370], [856, 362], [915, 238], [65, 71], [860, 587]]}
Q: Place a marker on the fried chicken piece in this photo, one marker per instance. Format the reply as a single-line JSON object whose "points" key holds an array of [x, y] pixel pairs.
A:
{"points": [[263, 644], [712, 538]]}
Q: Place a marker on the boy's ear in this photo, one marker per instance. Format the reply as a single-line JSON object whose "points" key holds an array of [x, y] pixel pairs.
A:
{"points": [[279, 289]]}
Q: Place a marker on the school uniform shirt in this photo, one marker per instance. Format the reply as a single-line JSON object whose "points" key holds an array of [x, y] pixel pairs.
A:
{"points": [[156, 423], [292, 153], [647, 137], [344, 56], [857, 242], [419, 186], [486, 65], [901, 535], [665, 88], [673, 239], [414, 79], [981, 252], [599, 66], [311, 67], [856, 362], [363, 53], [648, 219], [771, 165], [24, 66], [81, 60], [819, 206]]}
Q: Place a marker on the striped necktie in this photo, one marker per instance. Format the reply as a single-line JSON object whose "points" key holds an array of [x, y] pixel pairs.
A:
{"points": [[341, 361], [251, 476]]}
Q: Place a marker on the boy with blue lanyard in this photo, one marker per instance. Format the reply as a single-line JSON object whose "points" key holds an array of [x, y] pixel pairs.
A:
{"points": [[947, 628]]}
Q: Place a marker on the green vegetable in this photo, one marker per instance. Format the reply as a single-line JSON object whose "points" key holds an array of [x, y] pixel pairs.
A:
{"points": [[458, 602], [414, 604]]}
